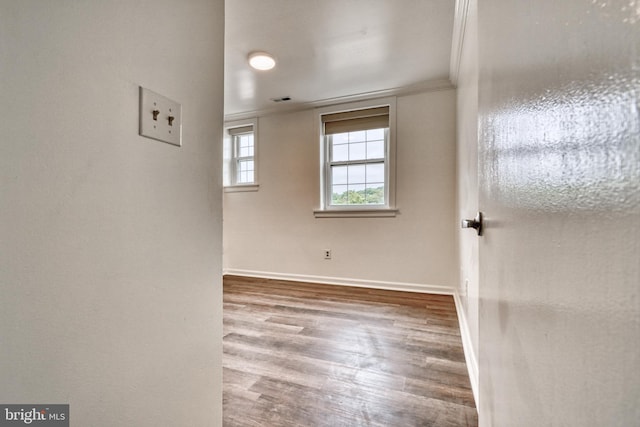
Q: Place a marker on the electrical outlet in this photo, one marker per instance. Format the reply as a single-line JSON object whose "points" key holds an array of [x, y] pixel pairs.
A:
{"points": [[327, 254]]}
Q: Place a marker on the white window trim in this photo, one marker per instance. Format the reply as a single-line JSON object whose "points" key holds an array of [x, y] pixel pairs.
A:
{"points": [[229, 168], [358, 211]]}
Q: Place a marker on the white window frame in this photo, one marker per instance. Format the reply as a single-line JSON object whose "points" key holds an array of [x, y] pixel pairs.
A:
{"points": [[326, 209], [231, 159]]}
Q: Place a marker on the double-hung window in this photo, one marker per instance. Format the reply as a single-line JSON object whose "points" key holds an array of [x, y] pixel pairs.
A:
{"points": [[240, 157], [357, 162], [243, 155]]}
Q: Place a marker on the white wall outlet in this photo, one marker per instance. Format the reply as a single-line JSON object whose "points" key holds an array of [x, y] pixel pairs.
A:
{"points": [[160, 117], [327, 254]]}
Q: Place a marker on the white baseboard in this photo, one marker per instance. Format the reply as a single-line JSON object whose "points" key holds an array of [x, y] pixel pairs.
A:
{"points": [[469, 355], [374, 284]]}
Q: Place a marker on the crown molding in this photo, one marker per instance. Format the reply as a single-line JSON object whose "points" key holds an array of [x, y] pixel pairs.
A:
{"points": [[426, 86], [457, 40]]}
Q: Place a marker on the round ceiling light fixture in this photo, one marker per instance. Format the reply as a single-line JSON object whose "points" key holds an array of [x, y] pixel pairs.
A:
{"points": [[261, 61]]}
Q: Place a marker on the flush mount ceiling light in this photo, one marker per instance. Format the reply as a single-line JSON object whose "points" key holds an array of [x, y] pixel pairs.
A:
{"points": [[261, 61]]}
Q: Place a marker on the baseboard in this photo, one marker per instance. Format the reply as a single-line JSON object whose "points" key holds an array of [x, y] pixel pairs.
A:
{"points": [[374, 284], [469, 355]]}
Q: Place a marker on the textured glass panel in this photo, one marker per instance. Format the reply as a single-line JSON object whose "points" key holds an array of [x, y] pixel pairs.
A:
{"points": [[357, 151], [339, 174], [375, 150], [359, 136], [375, 173], [340, 153], [356, 174]]}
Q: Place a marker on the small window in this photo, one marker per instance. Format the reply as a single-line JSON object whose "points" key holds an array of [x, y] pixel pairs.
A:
{"points": [[243, 159], [357, 162], [240, 157]]}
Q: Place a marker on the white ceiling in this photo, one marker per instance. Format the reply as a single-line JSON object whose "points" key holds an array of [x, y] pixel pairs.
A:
{"points": [[333, 50]]}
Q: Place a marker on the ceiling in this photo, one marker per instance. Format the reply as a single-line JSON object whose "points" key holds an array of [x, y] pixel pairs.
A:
{"points": [[329, 51]]}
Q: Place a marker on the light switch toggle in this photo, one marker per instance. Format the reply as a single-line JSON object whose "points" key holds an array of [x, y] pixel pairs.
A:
{"points": [[160, 117]]}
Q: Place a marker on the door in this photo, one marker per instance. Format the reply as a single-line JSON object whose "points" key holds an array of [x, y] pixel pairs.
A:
{"points": [[558, 179]]}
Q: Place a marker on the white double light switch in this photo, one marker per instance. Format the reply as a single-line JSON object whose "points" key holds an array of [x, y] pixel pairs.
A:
{"points": [[160, 117]]}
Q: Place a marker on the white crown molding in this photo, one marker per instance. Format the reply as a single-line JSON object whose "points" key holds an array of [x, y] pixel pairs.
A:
{"points": [[457, 40], [373, 284], [469, 354], [426, 86]]}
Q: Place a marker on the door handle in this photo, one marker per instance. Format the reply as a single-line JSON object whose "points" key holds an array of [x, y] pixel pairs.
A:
{"points": [[474, 223]]}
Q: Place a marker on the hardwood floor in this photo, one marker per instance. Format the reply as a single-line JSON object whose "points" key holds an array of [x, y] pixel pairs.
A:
{"points": [[299, 354]]}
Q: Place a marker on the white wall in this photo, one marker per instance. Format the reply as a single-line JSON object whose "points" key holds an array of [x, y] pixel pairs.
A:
{"points": [[110, 264], [467, 186], [560, 184], [273, 232]]}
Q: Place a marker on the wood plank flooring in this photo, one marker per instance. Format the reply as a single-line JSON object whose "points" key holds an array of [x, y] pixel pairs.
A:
{"points": [[300, 354]]}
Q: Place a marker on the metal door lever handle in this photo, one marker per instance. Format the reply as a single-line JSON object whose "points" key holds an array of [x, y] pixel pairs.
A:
{"points": [[474, 223]]}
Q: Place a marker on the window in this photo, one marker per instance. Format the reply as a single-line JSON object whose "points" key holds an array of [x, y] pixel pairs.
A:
{"points": [[242, 140], [357, 161], [240, 156]]}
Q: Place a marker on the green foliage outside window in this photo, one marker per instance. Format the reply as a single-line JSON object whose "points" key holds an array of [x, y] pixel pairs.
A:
{"points": [[369, 196]]}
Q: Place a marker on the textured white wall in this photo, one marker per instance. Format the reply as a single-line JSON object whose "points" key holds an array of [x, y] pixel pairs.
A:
{"points": [[274, 231], [467, 182], [560, 184], [110, 264]]}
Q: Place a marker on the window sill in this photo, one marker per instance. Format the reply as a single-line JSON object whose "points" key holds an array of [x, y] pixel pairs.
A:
{"points": [[355, 213], [241, 188]]}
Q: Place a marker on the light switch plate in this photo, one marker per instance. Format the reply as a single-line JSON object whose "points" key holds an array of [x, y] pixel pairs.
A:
{"points": [[160, 117]]}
